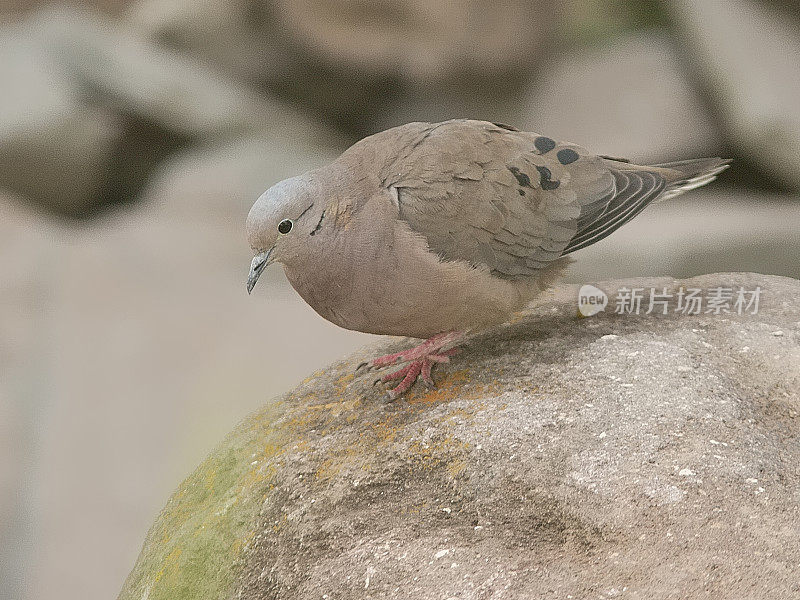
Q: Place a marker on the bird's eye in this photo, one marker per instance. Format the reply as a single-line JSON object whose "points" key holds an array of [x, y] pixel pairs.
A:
{"points": [[285, 226]]}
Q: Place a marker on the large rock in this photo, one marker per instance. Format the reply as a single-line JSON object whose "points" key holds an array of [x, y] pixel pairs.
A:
{"points": [[618, 455], [747, 54], [629, 98]]}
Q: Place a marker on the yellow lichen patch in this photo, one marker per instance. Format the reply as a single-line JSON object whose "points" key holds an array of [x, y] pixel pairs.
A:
{"points": [[208, 479], [447, 389], [336, 407], [257, 476], [170, 562], [278, 525], [464, 413], [262, 421], [301, 445], [241, 543], [450, 388], [386, 430], [456, 467], [329, 468], [432, 454], [302, 420], [342, 382]]}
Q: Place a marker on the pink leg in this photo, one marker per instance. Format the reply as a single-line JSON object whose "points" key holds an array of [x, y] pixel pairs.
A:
{"points": [[420, 361]]}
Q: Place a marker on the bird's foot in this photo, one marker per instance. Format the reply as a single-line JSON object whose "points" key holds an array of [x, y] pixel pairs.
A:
{"points": [[417, 369], [420, 361]]}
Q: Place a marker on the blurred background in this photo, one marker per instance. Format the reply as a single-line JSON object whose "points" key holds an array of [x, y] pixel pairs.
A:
{"points": [[135, 135]]}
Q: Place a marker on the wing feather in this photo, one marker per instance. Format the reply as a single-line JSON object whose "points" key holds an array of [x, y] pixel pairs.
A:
{"points": [[511, 201], [634, 191]]}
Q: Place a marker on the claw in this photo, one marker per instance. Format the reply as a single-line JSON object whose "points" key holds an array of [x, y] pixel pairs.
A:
{"points": [[419, 362]]}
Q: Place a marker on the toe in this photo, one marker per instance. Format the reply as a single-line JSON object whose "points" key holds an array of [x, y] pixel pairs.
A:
{"points": [[425, 374], [399, 374]]}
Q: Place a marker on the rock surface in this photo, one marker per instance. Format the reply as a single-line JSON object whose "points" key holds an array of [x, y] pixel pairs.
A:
{"points": [[613, 456]]}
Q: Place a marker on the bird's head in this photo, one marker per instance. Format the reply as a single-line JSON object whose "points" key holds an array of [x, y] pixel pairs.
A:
{"points": [[279, 224]]}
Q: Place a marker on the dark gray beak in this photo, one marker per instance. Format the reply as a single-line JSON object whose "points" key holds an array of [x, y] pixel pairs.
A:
{"points": [[260, 262]]}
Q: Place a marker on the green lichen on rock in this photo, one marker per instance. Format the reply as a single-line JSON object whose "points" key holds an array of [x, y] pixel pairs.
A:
{"points": [[193, 548]]}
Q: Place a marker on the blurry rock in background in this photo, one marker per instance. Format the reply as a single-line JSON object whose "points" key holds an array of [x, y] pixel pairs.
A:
{"points": [[748, 57], [54, 148], [419, 40], [231, 36], [94, 108], [630, 98], [347, 60]]}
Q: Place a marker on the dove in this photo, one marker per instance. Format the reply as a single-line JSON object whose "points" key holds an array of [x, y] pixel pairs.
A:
{"points": [[438, 230]]}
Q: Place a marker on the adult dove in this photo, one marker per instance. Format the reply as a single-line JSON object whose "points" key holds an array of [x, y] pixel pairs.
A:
{"points": [[433, 230]]}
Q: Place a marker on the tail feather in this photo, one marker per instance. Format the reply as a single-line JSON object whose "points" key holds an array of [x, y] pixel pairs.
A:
{"points": [[635, 187], [685, 175]]}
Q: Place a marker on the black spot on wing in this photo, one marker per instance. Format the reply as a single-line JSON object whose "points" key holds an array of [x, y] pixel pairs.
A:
{"points": [[567, 156], [548, 185], [545, 176], [521, 177], [544, 144], [504, 126]]}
